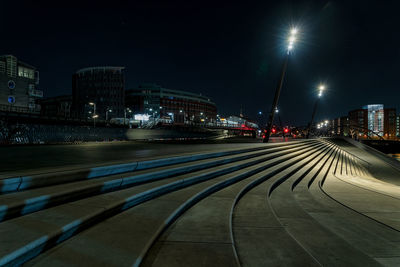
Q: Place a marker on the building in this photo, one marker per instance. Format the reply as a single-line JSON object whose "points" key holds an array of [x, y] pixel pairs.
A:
{"points": [[59, 106], [18, 86], [358, 121], [371, 121], [179, 106], [375, 119], [103, 88], [389, 123]]}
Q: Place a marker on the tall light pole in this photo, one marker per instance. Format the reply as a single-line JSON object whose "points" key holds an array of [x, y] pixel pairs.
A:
{"points": [[94, 113], [107, 111], [321, 89], [291, 41]]}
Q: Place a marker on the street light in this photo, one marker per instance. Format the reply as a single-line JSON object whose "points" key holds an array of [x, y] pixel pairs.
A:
{"points": [[321, 89], [290, 45], [107, 111], [94, 113]]}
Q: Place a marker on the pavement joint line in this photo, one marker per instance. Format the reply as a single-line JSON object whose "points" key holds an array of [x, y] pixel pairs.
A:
{"points": [[41, 202], [25, 253], [9, 184], [350, 208], [194, 242]]}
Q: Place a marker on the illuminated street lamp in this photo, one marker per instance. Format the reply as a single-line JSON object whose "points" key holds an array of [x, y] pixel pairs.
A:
{"points": [[94, 113], [321, 89], [108, 111], [290, 45]]}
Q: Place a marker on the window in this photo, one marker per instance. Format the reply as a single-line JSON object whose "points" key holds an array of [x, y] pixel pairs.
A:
{"points": [[2, 67], [26, 72]]}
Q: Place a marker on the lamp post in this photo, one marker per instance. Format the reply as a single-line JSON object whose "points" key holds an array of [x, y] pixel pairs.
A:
{"points": [[94, 116], [107, 111], [126, 109], [291, 41], [321, 89]]}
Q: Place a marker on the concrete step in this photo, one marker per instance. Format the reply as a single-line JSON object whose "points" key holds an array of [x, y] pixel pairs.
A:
{"points": [[47, 229], [22, 203], [327, 247], [194, 227], [260, 239], [26, 181], [146, 233], [373, 239]]}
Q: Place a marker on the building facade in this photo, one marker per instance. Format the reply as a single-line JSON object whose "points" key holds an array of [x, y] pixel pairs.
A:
{"points": [[389, 123], [375, 119], [179, 106], [59, 106], [18, 86], [98, 91], [358, 121]]}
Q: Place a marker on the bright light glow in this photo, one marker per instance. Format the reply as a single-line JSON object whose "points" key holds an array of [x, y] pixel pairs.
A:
{"points": [[180, 111], [91, 103], [95, 116], [259, 113], [292, 39], [326, 121], [142, 117], [321, 87], [276, 110]]}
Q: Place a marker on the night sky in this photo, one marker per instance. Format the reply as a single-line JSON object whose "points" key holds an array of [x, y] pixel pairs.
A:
{"points": [[231, 52]]}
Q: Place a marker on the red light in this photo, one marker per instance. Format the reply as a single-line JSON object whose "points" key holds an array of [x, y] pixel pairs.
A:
{"points": [[286, 130], [243, 125], [273, 130]]}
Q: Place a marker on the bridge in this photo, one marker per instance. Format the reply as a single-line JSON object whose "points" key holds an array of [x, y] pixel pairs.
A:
{"points": [[318, 202]]}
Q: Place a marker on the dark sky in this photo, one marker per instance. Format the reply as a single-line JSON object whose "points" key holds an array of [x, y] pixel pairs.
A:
{"points": [[231, 52]]}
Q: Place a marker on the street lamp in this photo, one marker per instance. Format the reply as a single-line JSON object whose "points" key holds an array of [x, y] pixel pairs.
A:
{"points": [[290, 45], [107, 111], [126, 109], [94, 113], [321, 89]]}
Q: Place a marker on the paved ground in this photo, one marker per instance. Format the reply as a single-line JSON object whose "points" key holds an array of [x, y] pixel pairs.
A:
{"points": [[301, 203]]}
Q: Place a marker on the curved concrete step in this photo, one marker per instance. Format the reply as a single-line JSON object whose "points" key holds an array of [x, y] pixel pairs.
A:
{"points": [[89, 211], [24, 182], [260, 239], [22, 203], [327, 247], [368, 236], [146, 236]]}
